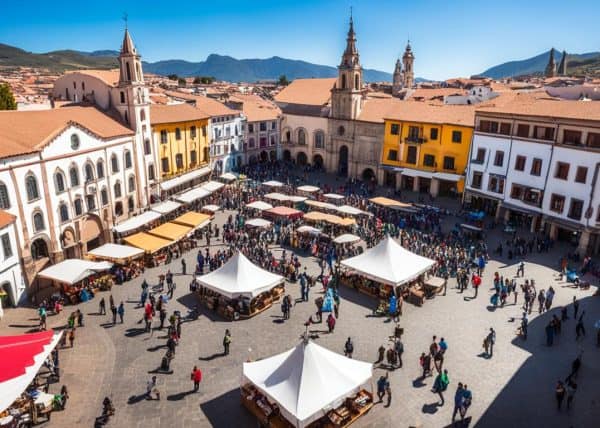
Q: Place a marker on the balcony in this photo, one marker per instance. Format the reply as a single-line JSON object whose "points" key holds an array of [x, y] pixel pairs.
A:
{"points": [[415, 140]]}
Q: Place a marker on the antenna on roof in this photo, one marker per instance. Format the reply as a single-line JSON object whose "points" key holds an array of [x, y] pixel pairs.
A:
{"points": [[125, 16]]}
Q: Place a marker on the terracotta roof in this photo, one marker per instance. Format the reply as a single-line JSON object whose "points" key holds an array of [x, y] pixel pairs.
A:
{"points": [[174, 113], [410, 111], [307, 91], [207, 105], [551, 108], [110, 77], [256, 108], [376, 109], [428, 94], [24, 132], [6, 219]]}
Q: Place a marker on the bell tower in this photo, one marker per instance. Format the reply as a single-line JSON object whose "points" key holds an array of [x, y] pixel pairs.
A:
{"points": [[398, 79], [409, 74], [347, 96]]}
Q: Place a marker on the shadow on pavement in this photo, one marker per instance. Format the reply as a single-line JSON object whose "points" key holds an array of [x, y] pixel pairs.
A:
{"points": [[235, 416]]}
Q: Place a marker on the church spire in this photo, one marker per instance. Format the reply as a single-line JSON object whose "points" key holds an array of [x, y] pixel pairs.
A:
{"points": [[562, 68], [351, 39], [127, 48], [551, 67]]}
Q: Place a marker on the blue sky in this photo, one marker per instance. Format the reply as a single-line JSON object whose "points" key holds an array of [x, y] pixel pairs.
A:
{"points": [[449, 38]]}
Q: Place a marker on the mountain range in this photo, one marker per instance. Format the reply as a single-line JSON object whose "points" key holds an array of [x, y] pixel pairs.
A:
{"points": [[586, 63]]}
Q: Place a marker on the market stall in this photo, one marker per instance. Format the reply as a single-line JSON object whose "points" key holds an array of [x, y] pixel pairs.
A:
{"points": [[386, 267], [193, 219], [171, 231], [20, 401], [346, 238], [309, 230], [129, 261], [334, 197], [166, 207], [240, 289], [210, 208], [154, 247], [259, 205], [307, 386], [78, 280], [433, 285], [192, 195], [258, 222], [137, 222], [321, 205], [273, 183], [308, 189], [286, 212], [317, 216], [350, 210], [212, 186], [228, 177]]}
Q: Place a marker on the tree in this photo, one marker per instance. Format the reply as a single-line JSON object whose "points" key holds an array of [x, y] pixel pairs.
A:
{"points": [[205, 80], [283, 81], [172, 77], [181, 81], [7, 100]]}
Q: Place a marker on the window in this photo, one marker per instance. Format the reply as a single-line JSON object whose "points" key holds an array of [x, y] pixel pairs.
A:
{"points": [[164, 163], [179, 161], [128, 162], [117, 189], [516, 192], [78, 207], [505, 128], [143, 116], [114, 164], [90, 201], [543, 133], [122, 97], [131, 183], [271, 142], [456, 136], [562, 170], [32, 188], [413, 134], [557, 203], [480, 157], [63, 212], [319, 140], [356, 82], [74, 176], [341, 131], [130, 204], [83, 86], [193, 132], [392, 155], [193, 157], [59, 182], [395, 129], [177, 134], [74, 141], [204, 131], [251, 143], [251, 128], [593, 140], [449, 162], [576, 209], [205, 154], [38, 222], [499, 158], [6, 247], [433, 134], [477, 180], [523, 130], [100, 168], [301, 136], [536, 167], [411, 155], [488, 126], [163, 136], [572, 137], [520, 163], [429, 160], [581, 176], [4, 198], [104, 196], [88, 172], [263, 126], [262, 141], [150, 172], [147, 147], [118, 209]]}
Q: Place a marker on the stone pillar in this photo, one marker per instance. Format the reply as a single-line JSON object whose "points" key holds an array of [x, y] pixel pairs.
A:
{"points": [[534, 222], [434, 188], [398, 180], [416, 184], [553, 231], [584, 241], [498, 211], [506, 214]]}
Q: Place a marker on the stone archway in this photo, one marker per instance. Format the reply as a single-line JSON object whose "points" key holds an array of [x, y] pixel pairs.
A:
{"points": [[368, 175], [287, 156], [301, 158], [343, 161], [39, 249], [91, 232], [318, 161], [69, 244]]}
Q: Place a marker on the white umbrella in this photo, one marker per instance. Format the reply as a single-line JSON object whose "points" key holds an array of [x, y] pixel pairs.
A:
{"points": [[346, 238]]}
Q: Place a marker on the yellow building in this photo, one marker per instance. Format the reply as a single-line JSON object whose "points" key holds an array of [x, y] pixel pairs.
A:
{"points": [[426, 146], [181, 140]]}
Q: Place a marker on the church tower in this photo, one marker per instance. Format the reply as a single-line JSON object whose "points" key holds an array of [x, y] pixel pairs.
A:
{"points": [[551, 67], [397, 79], [347, 96], [562, 68], [408, 59]]}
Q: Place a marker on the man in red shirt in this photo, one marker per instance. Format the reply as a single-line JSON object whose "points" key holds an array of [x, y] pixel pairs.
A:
{"points": [[196, 377]]}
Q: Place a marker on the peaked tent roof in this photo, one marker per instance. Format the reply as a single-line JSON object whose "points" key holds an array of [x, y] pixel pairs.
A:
{"points": [[307, 380], [390, 263], [71, 271], [240, 277]]}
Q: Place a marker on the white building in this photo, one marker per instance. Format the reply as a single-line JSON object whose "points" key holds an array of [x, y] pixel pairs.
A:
{"points": [[475, 95], [537, 163], [12, 283]]}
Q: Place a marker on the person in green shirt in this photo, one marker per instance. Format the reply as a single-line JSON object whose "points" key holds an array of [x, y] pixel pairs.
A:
{"points": [[441, 384]]}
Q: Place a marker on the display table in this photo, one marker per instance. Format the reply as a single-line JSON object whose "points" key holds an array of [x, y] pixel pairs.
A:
{"points": [[353, 408], [266, 413]]}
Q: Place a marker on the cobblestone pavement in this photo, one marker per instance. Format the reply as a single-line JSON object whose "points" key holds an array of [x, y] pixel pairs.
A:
{"points": [[515, 387]]}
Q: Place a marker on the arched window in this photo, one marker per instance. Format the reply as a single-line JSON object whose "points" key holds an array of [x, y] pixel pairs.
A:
{"points": [[59, 181], [118, 209], [139, 71], [128, 70], [126, 117], [251, 142], [177, 134], [114, 164], [319, 140], [301, 136], [32, 188], [100, 168], [4, 198], [38, 222], [142, 115], [127, 159], [151, 172], [288, 136], [74, 176], [104, 196], [74, 141], [88, 172], [122, 97], [130, 204], [356, 82], [131, 183], [63, 211], [147, 147], [163, 136], [78, 207], [343, 81], [117, 189]]}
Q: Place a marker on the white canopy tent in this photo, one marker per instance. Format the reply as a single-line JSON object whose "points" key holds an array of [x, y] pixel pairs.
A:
{"points": [[308, 188], [309, 229], [273, 183], [116, 252], [258, 222], [333, 196], [239, 277], [191, 195], [346, 238], [228, 176], [136, 222], [308, 380], [388, 262], [259, 205], [212, 208], [212, 186], [277, 196], [71, 271], [349, 210], [166, 207], [184, 178]]}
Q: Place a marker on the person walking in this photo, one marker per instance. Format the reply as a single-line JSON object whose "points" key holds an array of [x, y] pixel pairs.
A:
{"points": [[388, 391], [549, 334], [441, 384], [196, 377], [226, 342], [490, 339], [560, 394], [348, 348], [183, 266], [113, 309], [458, 401], [467, 399], [152, 389], [72, 336], [575, 307], [425, 362], [382, 387], [330, 323], [380, 354], [579, 328], [571, 389], [102, 307], [524, 325], [121, 311]]}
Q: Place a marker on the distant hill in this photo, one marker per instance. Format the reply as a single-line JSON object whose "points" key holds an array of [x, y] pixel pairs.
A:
{"points": [[219, 66], [537, 64]]}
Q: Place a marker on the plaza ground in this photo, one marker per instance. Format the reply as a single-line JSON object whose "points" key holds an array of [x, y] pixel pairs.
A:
{"points": [[515, 387]]}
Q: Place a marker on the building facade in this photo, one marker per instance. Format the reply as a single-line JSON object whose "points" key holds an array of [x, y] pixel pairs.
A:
{"points": [[12, 283]]}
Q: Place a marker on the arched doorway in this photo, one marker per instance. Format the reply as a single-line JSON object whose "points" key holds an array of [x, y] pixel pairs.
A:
{"points": [[273, 155], [264, 156], [69, 244], [318, 161], [91, 233], [343, 161], [39, 249], [287, 156], [9, 293], [301, 158], [368, 175]]}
